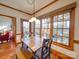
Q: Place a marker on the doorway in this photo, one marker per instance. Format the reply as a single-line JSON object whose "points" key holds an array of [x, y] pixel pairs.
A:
{"points": [[7, 29]]}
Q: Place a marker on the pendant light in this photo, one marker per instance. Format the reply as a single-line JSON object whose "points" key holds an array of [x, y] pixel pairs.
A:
{"points": [[33, 17]]}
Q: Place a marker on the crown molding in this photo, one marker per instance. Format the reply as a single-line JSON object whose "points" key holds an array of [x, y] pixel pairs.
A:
{"points": [[67, 7], [7, 16], [45, 6], [14, 8], [27, 12]]}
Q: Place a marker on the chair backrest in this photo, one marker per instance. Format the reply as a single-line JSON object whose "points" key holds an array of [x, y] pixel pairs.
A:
{"points": [[26, 47], [46, 48], [27, 51]]}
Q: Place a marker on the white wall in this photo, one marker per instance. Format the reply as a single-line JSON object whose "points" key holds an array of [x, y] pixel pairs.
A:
{"points": [[59, 4], [17, 14]]}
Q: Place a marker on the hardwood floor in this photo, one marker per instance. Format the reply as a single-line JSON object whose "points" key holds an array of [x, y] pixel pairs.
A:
{"points": [[7, 51], [26, 55]]}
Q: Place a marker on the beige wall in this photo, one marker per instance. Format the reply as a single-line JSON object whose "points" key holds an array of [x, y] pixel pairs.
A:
{"points": [[18, 15], [59, 4]]}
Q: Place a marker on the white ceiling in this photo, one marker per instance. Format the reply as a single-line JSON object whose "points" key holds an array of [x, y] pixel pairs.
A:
{"points": [[26, 5]]}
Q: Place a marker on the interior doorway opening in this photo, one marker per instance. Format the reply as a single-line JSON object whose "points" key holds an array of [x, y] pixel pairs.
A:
{"points": [[7, 29]]}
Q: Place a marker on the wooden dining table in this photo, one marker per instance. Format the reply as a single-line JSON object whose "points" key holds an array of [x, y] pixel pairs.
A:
{"points": [[34, 43]]}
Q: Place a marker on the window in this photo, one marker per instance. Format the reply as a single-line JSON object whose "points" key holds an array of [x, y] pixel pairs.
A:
{"points": [[61, 25], [46, 27], [26, 30], [26, 27], [37, 28], [63, 29]]}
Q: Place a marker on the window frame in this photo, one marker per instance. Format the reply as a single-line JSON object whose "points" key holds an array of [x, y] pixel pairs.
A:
{"points": [[39, 28], [71, 7], [43, 28], [71, 29], [24, 20]]}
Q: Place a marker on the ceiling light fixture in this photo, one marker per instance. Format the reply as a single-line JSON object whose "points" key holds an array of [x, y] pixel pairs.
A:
{"points": [[33, 17]]}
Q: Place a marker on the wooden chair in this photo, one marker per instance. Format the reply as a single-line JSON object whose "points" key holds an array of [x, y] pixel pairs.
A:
{"points": [[44, 51], [27, 51]]}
